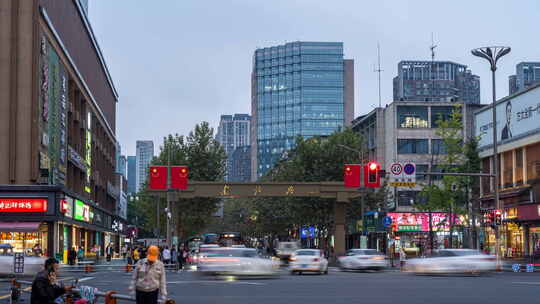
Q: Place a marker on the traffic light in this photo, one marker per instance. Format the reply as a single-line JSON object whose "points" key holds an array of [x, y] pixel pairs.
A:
{"points": [[498, 217], [158, 178], [351, 176], [372, 178], [179, 177]]}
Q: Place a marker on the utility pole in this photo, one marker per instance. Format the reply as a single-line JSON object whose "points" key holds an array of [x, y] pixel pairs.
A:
{"points": [[378, 70], [168, 212], [432, 49]]}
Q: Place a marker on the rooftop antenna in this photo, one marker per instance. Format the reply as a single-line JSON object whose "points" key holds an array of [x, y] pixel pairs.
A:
{"points": [[378, 70], [432, 49]]}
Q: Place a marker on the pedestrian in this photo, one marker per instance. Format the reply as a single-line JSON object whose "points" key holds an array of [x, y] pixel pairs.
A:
{"points": [[181, 258], [129, 255], [124, 252], [109, 252], [80, 254], [402, 258], [136, 255], [45, 287], [148, 279], [166, 255], [174, 255], [142, 252], [72, 256]]}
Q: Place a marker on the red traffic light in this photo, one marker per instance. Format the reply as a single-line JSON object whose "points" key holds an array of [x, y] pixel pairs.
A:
{"points": [[351, 176], [158, 178], [372, 178], [179, 177]]}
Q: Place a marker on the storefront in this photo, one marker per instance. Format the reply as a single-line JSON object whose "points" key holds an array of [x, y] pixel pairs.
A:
{"points": [[44, 220], [411, 231]]}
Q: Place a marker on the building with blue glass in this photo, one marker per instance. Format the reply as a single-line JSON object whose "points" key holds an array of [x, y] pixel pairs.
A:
{"points": [[527, 75], [298, 89], [233, 135]]}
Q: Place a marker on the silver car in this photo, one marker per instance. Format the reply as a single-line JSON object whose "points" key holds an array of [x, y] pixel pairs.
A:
{"points": [[236, 262], [363, 259], [453, 261]]}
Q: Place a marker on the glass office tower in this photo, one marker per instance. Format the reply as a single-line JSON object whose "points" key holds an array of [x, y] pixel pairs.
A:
{"points": [[299, 88]]}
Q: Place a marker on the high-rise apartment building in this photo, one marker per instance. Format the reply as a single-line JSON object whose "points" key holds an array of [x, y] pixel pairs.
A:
{"points": [[527, 74], [233, 133], [298, 89], [437, 81], [144, 155], [131, 174]]}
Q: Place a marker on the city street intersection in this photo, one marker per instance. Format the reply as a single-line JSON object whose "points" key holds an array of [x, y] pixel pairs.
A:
{"points": [[336, 287]]}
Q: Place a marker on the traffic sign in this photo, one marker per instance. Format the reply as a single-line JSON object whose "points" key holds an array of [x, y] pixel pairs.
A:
{"points": [[402, 175], [387, 221]]}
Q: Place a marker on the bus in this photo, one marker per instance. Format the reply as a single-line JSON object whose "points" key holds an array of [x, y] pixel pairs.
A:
{"points": [[211, 238]]}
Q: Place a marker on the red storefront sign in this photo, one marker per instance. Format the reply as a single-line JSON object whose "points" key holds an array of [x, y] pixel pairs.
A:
{"points": [[529, 212], [23, 205]]}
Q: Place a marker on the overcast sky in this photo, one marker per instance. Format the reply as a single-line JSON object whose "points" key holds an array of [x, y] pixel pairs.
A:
{"points": [[176, 63]]}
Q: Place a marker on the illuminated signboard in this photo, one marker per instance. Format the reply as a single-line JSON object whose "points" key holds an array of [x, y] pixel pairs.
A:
{"points": [[23, 205], [66, 207], [82, 211], [419, 221]]}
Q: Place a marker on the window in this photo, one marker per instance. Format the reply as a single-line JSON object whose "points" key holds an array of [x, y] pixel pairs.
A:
{"points": [[412, 146], [438, 147], [419, 170], [407, 198], [440, 113], [519, 166], [412, 117]]}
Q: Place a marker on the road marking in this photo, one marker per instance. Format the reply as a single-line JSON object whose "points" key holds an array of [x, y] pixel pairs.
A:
{"points": [[86, 279], [217, 282], [527, 283]]}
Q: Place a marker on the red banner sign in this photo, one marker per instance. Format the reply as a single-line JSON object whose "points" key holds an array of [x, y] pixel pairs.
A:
{"points": [[23, 205]]}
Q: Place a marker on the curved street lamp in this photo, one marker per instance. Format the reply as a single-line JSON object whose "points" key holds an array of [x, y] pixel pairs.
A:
{"points": [[492, 54]]}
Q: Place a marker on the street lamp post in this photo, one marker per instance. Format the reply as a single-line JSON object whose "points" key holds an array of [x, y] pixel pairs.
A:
{"points": [[492, 54]]}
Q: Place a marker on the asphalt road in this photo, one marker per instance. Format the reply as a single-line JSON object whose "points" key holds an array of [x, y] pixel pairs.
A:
{"points": [[336, 287]]}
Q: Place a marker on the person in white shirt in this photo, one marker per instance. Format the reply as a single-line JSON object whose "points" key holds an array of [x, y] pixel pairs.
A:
{"points": [[166, 255]]}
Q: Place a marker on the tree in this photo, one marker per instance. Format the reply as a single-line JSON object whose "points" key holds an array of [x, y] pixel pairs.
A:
{"points": [[206, 161], [452, 193], [315, 159]]}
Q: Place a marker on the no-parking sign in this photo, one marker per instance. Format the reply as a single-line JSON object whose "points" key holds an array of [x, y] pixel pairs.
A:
{"points": [[402, 174]]}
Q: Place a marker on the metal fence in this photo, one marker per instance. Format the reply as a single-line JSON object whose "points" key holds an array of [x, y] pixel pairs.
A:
{"points": [[107, 297]]}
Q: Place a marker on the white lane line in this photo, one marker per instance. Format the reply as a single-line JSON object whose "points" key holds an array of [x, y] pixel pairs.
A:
{"points": [[527, 283], [216, 282], [86, 279]]}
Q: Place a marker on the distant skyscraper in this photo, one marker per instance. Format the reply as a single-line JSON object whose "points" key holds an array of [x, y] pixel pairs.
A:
{"points": [[132, 174], [449, 81], [300, 88], [527, 74], [233, 132], [240, 169], [144, 155]]}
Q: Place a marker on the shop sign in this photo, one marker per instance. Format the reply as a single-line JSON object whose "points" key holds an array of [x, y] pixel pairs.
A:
{"points": [[23, 205], [510, 213], [66, 206], [117, 226], [419, 221], [517, 117], [76, 159], [82, 211]]}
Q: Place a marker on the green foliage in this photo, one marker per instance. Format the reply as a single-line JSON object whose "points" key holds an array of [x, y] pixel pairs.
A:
{"points": [[206, 161], [316, 159], [451, 194]]}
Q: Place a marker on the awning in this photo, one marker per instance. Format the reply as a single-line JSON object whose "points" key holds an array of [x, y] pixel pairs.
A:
{"points": [[19, 226]]}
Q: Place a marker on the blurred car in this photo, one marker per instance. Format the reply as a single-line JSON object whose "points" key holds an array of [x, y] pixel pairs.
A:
{"points": [[308, 260], [363, 259], [236, 262], [453, 261], [284, 250], [238, 246], [32, 264], [201, 252]]}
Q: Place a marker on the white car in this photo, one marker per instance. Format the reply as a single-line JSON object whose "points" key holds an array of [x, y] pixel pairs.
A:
{"points": [[453, 261], [363, 259], [284, 250], [308, 260], [236, 262]]}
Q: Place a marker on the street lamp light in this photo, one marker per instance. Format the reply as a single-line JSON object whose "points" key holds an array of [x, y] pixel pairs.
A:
{"points": [[492, 54]]}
